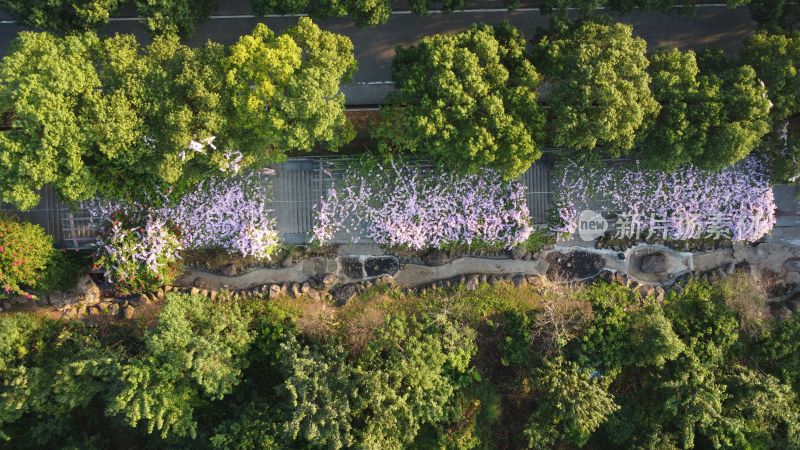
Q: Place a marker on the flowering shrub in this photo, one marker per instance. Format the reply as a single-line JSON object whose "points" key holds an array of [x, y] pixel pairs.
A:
{"points": [[25, 250], [139, 244], [738, 199], [138, 259], [407, 206], [231, 214]]}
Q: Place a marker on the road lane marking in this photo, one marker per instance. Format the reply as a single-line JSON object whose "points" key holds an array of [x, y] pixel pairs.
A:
{"points": [[398, 13]]}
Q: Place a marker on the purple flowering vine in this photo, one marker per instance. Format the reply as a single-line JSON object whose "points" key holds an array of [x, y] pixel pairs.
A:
{"points": [[738, 198], [227, 213], [406, 205]]}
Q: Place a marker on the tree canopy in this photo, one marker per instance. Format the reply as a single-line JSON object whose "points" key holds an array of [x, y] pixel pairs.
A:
{"points": [[88, 115], [467, 100], [776, 59], [174, 16], [61, 15], [49, 95], [599, 93], [711, 117], [194, 354], [776, 16], [396, 370]]}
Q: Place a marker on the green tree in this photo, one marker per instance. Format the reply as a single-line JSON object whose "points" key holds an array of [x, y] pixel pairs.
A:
{"points": [[700, 395], [50, 373], [48, 92], [570, 405], [405, 378], [467, 100], [776, 16], [87, 115], [320, 393], [368, 12], [706, 325], [776, 59], [600, 94], [652, 341], [711, 118], [195, 353], [329, 8], [175, 97], [61, 15], [603, 346], [779, 351], [404, 386], [768, 410], [174, 16], [284, 92]]}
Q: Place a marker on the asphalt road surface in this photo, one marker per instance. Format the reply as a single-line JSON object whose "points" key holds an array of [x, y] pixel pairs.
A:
{"points": [[709, 26]]}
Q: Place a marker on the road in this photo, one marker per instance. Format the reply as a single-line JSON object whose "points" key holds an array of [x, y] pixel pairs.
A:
{"points": [[709, 26]]}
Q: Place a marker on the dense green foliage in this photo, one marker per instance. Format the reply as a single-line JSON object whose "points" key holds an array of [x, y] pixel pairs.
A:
{"points": [[49, 98], [51, 376], [61, 15], [284, 91], [174, 16], [776, 15], [160, 16], [89, 115], [600, 94], [467, 100], [776, 59], [599, 367], [63, 269], [711, 116], [194, 354], [571, 405], [25, 251]]}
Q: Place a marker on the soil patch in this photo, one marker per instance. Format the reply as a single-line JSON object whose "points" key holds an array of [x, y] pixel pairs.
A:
{"points": [[574, 265]]}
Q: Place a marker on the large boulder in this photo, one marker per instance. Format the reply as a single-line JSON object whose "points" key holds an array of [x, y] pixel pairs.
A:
{"points": [[329, 280], [654, 263], [472, 282], [344, 294], [88, 290]]}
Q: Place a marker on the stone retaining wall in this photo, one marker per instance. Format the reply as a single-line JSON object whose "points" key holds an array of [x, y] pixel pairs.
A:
{"points": [[652, 269]]}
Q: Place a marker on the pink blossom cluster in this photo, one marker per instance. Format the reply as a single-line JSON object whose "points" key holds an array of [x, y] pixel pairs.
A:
{"points": [[226, 213], [405, 205], [738, 198], [123, 250]]}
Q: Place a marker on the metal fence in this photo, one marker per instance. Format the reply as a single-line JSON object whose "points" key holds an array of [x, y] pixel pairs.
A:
{"points": [[298, 186], [69, 227]]}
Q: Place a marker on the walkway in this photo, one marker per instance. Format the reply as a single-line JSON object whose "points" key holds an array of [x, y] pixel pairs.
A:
{"points": [[297, 186]]}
